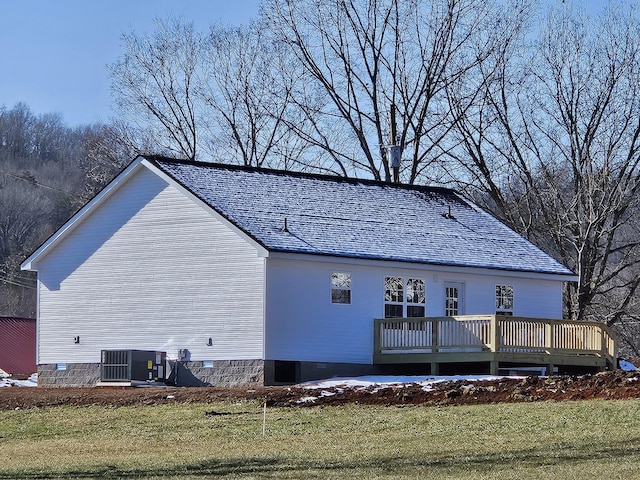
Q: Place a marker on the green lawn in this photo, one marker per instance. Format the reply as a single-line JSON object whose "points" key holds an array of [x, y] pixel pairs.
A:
{"points": [[589, 439]]}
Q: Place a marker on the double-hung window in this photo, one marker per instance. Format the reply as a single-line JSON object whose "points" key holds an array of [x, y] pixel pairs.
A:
{"points": [[404, 297], [504, 300]]}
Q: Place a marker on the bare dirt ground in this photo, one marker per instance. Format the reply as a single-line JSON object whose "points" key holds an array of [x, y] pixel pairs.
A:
{"points": [[607, 385]]}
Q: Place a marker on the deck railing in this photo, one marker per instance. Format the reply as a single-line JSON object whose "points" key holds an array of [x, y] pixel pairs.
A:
{"points": [[492, 333]]}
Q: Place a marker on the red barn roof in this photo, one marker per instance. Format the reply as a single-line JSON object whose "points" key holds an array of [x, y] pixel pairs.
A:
{"points": [[18, 345]]}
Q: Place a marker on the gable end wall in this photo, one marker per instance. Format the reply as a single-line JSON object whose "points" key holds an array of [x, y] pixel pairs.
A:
{"points": [[149, 269]]}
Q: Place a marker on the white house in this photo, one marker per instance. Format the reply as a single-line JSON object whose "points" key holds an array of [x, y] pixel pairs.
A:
{"points": [[243, 275]]}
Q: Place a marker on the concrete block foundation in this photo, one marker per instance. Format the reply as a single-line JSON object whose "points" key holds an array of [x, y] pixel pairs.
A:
{"points": [[68, 374], [220, 373]]}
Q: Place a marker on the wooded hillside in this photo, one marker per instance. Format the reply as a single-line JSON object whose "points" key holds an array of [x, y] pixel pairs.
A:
{"points": [[47, 172]]}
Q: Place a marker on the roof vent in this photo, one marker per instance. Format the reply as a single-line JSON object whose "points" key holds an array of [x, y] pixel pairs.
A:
{"points": [[449, 215], [285, 229]]}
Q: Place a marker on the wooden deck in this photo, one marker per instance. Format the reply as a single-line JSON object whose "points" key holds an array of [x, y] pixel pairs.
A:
{"points": [[494, 339]]}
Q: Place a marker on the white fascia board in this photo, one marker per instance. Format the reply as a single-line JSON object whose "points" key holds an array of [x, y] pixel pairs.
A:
{"points": [[75, 220], [422, 266], [261, 250]]}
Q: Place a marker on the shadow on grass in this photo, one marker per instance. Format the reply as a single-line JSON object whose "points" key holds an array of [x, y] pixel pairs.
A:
{"points": [[274, 467]]}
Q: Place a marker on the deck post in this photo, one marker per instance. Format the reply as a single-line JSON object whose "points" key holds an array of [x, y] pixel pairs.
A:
{"points": [[377, 337], [495, 334], [493, 367], [495, 344], [548, 340]]}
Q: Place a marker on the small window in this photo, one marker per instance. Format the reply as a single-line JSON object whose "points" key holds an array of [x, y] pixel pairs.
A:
{"points": [[504, 300], [207, 364], [61, 366], [340, 287]]}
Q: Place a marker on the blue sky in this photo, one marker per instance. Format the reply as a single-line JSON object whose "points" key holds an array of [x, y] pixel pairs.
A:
{"points": [[54, 52]]}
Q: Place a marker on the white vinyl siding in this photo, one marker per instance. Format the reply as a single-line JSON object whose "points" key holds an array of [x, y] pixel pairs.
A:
{"points": [[302, 325], [535, 297], [150, 269]]}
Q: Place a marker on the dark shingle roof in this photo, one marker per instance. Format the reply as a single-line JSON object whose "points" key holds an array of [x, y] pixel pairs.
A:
{"points": [[358, 218]]}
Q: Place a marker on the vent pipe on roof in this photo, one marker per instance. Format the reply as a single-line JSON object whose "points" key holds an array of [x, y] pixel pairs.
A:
{"points": [[285, 229], [449, 215], [395, 152]]}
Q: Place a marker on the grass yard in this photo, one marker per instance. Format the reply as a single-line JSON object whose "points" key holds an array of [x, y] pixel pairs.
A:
{"points": [[588, 439]]}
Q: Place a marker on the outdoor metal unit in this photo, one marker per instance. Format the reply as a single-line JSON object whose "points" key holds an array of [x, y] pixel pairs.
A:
{"points": [[132, 365]]}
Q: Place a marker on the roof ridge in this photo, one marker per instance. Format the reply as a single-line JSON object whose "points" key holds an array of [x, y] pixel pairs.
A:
{"points": [[297, 174]]}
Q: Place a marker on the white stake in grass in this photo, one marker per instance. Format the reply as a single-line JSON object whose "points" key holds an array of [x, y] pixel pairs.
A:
{"points": [[264, 419]]}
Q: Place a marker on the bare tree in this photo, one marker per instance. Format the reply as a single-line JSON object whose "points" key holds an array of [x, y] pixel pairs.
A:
{"points": [[15, 128], [246, 88], [154, 85], [105, 150], [24, 211], [554, 146], [369, 57]]}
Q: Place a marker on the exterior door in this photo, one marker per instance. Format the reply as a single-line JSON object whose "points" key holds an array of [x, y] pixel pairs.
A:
{"points": [[454, 304]]}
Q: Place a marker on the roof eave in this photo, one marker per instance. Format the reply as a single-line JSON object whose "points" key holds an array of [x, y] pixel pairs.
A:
{"points": [[567, 276]]}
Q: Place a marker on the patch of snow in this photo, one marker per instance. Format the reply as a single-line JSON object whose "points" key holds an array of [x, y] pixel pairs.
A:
{"points": [[362, 382], [7, 381], [307, 400], [627, 366], [381, 382]]}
